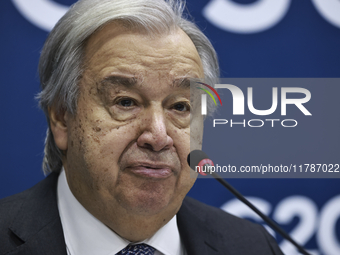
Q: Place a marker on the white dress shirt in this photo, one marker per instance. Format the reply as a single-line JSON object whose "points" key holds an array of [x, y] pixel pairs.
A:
{"points": [[86, 235]]}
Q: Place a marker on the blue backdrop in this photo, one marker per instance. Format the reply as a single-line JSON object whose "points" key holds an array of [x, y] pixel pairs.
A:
{"points": [[253, 38]]}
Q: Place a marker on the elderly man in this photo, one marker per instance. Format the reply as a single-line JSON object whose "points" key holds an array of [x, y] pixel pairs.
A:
{"points": [[116, 94]]}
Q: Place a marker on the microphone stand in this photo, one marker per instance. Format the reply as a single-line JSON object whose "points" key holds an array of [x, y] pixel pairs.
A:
{"points": [[270, 222]]}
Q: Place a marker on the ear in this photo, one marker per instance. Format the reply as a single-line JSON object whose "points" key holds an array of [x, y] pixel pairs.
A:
{"points": [[58, 124]]}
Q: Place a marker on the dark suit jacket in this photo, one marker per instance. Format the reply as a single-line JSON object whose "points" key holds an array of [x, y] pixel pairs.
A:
{"points": [[30, 224]]}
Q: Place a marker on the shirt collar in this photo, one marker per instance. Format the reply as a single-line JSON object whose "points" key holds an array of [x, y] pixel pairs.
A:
{"points": [[85, 234]]}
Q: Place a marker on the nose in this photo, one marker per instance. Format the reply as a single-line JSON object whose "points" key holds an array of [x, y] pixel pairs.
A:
{"points": [[154, 134]]}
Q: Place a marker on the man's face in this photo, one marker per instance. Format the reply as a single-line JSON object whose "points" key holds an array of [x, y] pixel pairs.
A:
{"points": [[128, 143]]}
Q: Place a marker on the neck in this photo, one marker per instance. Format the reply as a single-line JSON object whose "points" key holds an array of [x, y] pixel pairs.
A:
{"points": [[134, 227], [137, 229]]}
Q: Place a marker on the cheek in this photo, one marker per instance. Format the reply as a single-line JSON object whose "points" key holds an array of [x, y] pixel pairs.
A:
{"points": [[181, 139], [185, 182], [188, 176], [196, 134], [111, 142], [98, 144], [185, 140]]}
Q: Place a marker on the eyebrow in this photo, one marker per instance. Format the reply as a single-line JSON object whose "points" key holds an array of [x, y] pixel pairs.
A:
{"points": [[120, 80], [183, 82]]}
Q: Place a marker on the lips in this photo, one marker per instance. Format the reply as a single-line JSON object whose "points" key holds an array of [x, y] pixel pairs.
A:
{"points": [[150, 170]]}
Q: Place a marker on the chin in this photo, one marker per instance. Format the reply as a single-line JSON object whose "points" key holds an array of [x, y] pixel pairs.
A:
{"points": [[148, 201]]}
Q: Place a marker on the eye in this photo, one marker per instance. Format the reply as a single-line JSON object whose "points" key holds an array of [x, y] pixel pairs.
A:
{"points": [[181, 107], [126, 102]]}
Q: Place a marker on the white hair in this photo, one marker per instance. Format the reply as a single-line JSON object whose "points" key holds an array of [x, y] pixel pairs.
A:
{"points": [[61, 62]]}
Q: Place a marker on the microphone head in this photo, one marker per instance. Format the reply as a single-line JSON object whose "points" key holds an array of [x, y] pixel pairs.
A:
{"points": [[195, 157], [199, 161]]}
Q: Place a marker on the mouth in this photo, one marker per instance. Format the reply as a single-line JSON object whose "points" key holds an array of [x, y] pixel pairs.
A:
{"points": [[147, 170]]}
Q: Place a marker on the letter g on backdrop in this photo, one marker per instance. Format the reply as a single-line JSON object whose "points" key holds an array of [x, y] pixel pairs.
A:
{"points": [[262, 14], [225, 14], [250, 18], [42, 13]]}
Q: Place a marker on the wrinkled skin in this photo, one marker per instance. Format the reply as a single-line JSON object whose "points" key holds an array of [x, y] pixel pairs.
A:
{"points": [[125, 150]]}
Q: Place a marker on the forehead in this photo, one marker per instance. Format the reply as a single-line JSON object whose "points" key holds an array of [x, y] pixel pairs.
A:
{"points": [[117, 49]]}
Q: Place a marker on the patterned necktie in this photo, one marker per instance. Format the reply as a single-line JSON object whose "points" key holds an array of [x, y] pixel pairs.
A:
{"points": [[138, 249]]}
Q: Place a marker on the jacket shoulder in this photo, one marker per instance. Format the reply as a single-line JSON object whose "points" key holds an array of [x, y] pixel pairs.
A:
{"points": [[25, 216], [10, 206], [217, 217], [239, 236]]}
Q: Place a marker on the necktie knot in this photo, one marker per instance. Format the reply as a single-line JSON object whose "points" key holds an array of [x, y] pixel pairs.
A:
{"points": [[137, 249]]}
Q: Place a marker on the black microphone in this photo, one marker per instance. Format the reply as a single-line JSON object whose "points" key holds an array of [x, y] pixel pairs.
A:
{"points": [[200, 162]]}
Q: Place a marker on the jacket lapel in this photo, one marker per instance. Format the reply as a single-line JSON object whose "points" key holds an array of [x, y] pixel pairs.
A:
{"points": [[195, 231], [37, 225]]}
